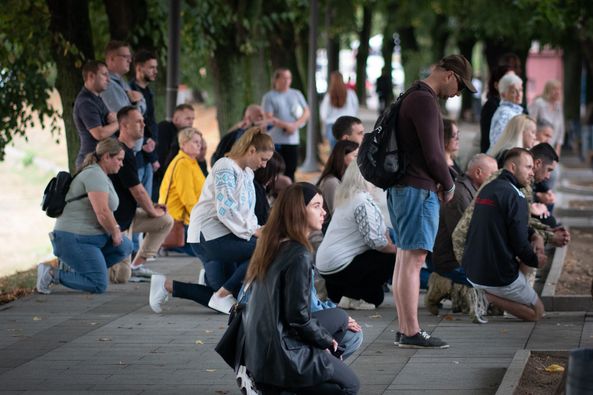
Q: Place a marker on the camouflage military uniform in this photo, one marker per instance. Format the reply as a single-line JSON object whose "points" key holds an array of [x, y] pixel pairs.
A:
{"points": [[460, 233]]}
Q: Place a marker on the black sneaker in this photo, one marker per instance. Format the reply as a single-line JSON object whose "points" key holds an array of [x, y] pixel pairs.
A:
{"points": [[398, 336], [421, 340]]}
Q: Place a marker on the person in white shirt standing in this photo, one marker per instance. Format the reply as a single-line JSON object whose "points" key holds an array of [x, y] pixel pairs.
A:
{"points": [[337, 102]]}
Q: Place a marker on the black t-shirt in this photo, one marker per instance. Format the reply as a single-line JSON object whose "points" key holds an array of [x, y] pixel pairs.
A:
{"points": [[89, 112], [167, 135], [123, 181]]}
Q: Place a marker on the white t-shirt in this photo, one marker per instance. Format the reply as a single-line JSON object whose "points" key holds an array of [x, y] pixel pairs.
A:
{"points": [[226, 204], [356, 226], [329, 113]]}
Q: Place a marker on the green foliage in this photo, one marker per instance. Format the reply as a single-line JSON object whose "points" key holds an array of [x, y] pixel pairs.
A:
{"points": [[25, 70]]}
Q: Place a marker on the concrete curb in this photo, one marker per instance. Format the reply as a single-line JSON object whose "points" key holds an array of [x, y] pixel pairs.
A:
{"points": [[553, 302], [511, 378]]}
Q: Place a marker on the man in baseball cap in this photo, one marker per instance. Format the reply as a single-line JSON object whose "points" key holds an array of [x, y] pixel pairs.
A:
{"points": [[462, 70]]}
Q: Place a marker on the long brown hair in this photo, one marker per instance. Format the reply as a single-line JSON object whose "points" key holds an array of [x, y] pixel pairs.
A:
{"points": [[288, 220], [335, 165], [337, 89], [254, 137]]}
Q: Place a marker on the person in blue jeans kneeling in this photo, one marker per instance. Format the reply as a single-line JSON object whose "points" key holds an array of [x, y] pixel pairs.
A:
{"points": [[223, 222], [86, 236]]}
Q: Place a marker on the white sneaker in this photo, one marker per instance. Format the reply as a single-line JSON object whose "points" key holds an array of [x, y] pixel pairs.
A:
{"points": [[45, 277], [202, 277], [142, 271], [158, 293], [224, 304], [347, 303], [245, 382]]}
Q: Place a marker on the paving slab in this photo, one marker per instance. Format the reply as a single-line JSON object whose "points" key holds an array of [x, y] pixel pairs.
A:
{"points": [[114, 343]]}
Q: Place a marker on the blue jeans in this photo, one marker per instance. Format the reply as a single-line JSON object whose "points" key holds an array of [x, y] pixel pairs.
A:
{"points": [[330, 135], [230, 249], [89, 257], [217, 273], [145, 176]]}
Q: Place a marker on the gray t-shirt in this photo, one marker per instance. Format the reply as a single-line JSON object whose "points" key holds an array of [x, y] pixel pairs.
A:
{"points": [[287, 106], [78, 216]]}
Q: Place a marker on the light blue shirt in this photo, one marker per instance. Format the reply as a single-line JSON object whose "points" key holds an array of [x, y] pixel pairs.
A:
{"points": [[287, 106], [503, 114]]}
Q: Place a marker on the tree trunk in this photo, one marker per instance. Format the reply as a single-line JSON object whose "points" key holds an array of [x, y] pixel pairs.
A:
{"points": [[440, 34], [387, 52], [587, 48], [573, 65], [409, 54], [466, 47], [70, 22], [363, 52]]}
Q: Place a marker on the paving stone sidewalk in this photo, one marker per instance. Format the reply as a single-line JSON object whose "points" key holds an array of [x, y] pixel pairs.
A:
{"points": [[113, 343]]}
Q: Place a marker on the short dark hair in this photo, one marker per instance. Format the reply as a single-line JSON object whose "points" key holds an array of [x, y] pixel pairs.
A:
{"points": [[91, 67], [343, 126], [124, 111], [515, 153], [114, 45], [182, 107], [545, 152], [143, 56]]}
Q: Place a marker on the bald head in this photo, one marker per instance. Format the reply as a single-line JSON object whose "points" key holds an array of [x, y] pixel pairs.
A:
{"points": [[480, 167], [253, 114]]}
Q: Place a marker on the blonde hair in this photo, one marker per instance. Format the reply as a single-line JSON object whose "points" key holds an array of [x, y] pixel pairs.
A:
{"points": [[186, 134], [110, 146], [551, 84], [352, 183], [512, 136], [255, 137]]}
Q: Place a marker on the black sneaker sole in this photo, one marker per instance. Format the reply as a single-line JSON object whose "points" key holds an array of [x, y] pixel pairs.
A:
{"points": [[416, 346]]}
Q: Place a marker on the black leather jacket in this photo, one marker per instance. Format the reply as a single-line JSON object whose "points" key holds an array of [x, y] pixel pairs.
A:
{"points": [[284, 345]]}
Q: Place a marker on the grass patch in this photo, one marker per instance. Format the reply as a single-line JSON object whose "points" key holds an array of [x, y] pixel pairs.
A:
{"points": [[18, 285]]}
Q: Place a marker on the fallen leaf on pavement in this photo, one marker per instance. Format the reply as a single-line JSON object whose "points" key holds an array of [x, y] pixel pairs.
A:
{"points": [[554, 368]]}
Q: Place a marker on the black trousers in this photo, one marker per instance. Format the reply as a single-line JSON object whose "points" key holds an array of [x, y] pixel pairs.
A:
{"points": [[343, 381], [363, 278], [290, 154], [198, 293]]}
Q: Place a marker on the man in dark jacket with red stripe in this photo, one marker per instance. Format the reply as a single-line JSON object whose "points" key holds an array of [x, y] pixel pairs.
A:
{"points": [[499, 240]]}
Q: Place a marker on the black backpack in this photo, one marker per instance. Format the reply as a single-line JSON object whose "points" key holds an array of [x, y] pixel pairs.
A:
{"points": [[380, 159], [54, 196]]}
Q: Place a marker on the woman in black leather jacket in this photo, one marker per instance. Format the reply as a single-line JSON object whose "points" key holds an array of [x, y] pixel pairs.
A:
{"points": [[285, 347]]}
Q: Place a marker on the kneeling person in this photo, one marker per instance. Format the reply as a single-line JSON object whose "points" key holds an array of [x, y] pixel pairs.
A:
{"points": [[499, 237], [136, 212]]}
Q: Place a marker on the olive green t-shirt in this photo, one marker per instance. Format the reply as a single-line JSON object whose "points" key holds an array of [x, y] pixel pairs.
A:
{"points": [[78, 216]]}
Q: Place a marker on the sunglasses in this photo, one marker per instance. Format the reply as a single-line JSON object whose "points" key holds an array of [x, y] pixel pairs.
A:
{"points": [[460, 85]]}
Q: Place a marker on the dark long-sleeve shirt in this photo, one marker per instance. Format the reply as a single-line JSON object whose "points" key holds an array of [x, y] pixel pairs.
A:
{"points": [[421, 136]]}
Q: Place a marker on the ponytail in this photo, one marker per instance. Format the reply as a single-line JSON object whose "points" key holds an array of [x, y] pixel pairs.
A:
{"points": [[254, 137]]}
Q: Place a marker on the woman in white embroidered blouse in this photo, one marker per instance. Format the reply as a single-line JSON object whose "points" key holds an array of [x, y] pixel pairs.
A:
{"points": [[223, 224], [356, 256]]}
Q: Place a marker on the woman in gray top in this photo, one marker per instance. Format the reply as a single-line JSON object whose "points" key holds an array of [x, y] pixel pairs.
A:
{"points": [[86, 236]]}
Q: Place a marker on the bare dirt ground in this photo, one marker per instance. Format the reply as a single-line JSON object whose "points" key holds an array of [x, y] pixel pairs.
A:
{"points": [[577, 272], [24, 226], [536, 379]]}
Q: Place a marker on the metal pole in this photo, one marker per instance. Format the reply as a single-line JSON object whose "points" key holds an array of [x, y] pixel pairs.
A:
{"points": [[173, 56], [310, 164]]}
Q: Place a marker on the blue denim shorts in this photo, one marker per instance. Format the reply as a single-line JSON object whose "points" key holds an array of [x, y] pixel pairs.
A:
{"points": [[414, 214]]}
